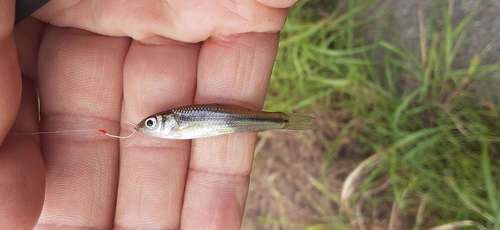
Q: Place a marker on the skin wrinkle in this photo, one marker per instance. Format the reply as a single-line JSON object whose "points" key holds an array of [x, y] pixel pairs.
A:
{"points": [[248, 159], [235, 11], [243, 162], [241, 67], [248, 61], [156, 41]]}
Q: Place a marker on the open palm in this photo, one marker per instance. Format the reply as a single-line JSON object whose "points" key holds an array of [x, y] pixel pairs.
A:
{"points": [[127, 60]]}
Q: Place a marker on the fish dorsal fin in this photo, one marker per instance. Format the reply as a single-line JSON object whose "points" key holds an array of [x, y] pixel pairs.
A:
{"points": [[227, 106]]}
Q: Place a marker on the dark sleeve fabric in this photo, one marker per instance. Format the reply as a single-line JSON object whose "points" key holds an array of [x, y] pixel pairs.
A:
{"points": [[25, 8]]}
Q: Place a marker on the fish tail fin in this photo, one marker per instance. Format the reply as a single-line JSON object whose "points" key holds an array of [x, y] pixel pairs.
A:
{"points": [[299, 122]]}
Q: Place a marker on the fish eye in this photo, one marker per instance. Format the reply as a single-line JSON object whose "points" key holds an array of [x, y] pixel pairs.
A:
{"points": [[150, 122]]}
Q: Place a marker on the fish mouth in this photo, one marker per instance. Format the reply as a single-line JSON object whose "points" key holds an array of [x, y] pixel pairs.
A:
{"points": [[139, 126]]}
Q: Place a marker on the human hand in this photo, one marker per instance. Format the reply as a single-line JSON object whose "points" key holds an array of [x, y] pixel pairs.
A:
{"points": [[90, 81]]}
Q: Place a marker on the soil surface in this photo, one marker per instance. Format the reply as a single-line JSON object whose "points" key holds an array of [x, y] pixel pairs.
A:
{"points": [[290, 186]]}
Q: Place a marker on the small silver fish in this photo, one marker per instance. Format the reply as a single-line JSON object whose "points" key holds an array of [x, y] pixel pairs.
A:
{"points": [[198, 121]]}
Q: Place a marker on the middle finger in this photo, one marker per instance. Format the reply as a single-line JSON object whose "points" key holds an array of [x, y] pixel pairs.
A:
{"points": [[153, 171]]}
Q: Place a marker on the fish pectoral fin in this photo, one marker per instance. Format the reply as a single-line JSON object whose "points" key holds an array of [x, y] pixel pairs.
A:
{"points": [[179, 118]]}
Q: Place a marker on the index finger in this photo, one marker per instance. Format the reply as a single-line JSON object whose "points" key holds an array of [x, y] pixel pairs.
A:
{"points": [[236, 71]]}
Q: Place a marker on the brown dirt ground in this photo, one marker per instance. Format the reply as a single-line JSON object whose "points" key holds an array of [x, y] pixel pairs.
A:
{"points": [[289, 173]]}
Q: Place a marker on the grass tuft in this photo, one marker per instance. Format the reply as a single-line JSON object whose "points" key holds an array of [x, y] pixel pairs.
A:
{"points": [[433, 126]]}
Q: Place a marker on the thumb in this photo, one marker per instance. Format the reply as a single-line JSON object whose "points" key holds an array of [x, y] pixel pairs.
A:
{"points": [[10, 74]]}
